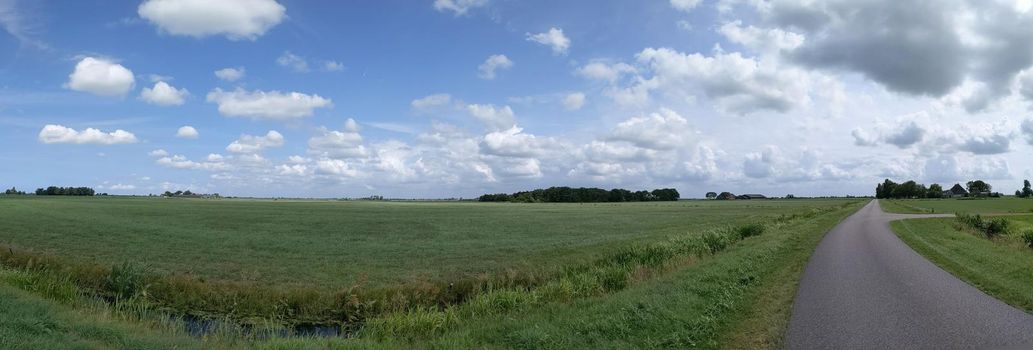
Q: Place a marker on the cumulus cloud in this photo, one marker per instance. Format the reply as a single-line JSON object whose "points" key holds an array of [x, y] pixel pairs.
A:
{"points": [[458, 7], [163, 94], [513, 142], [574, 101], [236, 19], [922, 47], [231, 74], [292, 61], [187, 132], [266, 105], [51, 134], [101, 77], [495, 118], [775, 165], [346, 143], [659, 131], [253, 144], [604, 71], [989, 144], [554, 38], [496, 62], [863, 138], [333, 66], [158, 153], [905, 136], [1027, 130], [428, 103], [685, 5]]}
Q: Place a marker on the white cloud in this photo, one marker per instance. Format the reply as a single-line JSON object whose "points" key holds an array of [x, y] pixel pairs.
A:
{"points": [[181, 162], [292, 61], [1027, 130], [231, 74], [60, 134], [158, 153], [101, 77], [605, 72], [249, 144], [863, 138], [163, 94], [495, 118], [236, 19], [333, 66], [685, 5], [553, 38], [458, 7], [574, 101], [18, 25], [513, 143], [487, 69], [664, 130], [266, 105], [187, 132], [428, 103], [346, 143]]}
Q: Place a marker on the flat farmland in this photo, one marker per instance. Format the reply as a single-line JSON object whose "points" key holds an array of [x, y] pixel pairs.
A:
{"points": [[334, 244], [955, 205]]}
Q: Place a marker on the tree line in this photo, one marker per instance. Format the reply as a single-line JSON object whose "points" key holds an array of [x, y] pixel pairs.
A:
{"points": [[14, 191], [65, 191], [911, 189], [583, 195]]}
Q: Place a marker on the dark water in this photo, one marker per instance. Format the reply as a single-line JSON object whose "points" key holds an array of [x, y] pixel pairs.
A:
{"points": [[198, 327]]}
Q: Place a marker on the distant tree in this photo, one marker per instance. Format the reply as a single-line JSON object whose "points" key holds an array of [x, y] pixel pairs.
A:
{"points": [[188, 193], [977, 187], [790, 196], [1026, 191], [726, 196], [935, 191], [168, 194], [14, 191], [711, 195]]}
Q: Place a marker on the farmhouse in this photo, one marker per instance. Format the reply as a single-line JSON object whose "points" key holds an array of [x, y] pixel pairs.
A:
{"points": [[751, 196], [955, 192]]}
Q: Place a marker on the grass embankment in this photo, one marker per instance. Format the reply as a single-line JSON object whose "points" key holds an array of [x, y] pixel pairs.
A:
{"points": [[954, 205], [740, 298], [999, 266], [775, 272]]}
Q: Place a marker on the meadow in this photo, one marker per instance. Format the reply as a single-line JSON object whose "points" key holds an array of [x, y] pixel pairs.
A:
{"points": [[996, 258], [404, 274], [958, 205]]}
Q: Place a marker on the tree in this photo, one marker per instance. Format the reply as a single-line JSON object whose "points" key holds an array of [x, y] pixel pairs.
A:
{"points": [[935, 191], [1026, 191], [711, 195], [977, 187]]}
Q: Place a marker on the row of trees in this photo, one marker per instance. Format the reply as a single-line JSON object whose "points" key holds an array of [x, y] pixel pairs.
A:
{"points": [[187, 193], [14, 191], [583, 195], [65, 191], [912, 189]]}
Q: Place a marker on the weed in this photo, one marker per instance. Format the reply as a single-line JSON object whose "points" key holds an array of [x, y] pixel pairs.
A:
{"points": [[1027, 237]]}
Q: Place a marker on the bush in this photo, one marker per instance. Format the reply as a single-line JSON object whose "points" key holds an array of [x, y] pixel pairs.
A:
{"points": [[996, 226], [750, 230], [126, 281], [990, 227], [714, 242], [1027, 237]]}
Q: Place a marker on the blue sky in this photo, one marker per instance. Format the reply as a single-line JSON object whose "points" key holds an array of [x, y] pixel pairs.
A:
{"points": [[444, 98]]}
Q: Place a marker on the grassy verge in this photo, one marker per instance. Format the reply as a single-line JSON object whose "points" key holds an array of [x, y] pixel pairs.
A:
{"points": [[999, 267], [954, 205], [740, 298]]}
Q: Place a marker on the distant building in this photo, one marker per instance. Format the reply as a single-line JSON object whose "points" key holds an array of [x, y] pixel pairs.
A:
{"points": [[955, 192], [751, 196]]}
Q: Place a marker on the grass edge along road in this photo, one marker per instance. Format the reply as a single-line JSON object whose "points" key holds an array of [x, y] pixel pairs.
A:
{"points": [[999, 267], [1009, 205], [739, 298]]}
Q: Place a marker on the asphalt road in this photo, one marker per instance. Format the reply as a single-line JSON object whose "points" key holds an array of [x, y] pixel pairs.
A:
{"points": [[866, 289]]}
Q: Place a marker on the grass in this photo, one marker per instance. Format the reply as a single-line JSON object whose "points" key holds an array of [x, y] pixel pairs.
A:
{"points": [[332, 245], [999, 267], [954, 205], [727, 271]]}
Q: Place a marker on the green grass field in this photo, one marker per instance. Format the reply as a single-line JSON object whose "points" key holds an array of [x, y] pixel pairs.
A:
{"points": [[646, 275], [335, 244], [950, 206], [1000, 266]]}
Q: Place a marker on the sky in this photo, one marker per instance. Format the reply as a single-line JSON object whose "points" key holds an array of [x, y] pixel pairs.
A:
{"points": [[455, 98]]}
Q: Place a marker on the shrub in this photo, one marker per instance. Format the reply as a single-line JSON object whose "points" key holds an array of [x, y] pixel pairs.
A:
{"points": [[1027, 237], [750, 230], [126, 281], [996, 226], [714, 241]]}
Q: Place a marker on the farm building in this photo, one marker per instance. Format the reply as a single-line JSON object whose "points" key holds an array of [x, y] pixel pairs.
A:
{"points": [[751, 196], [955, 192]]}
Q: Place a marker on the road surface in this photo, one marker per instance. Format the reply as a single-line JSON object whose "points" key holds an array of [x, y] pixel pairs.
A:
{"points": [[866, 289]]}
